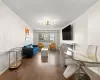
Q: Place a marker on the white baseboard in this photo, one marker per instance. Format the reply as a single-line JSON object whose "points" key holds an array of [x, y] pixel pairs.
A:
{"points": [[1, 72], [20, 58]]}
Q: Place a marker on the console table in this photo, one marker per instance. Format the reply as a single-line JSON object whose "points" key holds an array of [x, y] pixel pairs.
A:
{"points": [[17, 62]]}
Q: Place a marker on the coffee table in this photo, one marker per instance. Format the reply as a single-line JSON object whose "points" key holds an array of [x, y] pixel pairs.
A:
{"points": [[44, 52]]}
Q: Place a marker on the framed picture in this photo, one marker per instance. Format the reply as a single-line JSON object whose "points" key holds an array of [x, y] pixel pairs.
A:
{"points": [[27, 31]]}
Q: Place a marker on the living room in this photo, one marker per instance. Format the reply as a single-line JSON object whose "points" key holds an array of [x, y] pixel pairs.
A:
{"points": [[19, 28]]}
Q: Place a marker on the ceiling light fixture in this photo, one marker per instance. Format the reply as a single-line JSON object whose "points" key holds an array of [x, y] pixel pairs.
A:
{"points": [[47, 22]]}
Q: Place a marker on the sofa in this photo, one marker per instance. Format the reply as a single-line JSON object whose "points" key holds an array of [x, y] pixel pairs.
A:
{"points": [[29, 50]]}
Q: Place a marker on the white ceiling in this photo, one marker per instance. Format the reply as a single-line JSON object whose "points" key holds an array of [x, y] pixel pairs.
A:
{"points": [[64, 11]]}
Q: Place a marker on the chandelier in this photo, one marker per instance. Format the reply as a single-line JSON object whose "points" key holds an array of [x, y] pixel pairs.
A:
{"points": [[47, 22]]}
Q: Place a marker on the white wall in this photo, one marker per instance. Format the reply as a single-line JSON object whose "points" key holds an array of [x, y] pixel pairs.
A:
{"points": [[81, 29], [94, 24], [80, 32], [12, 34], [94, 29], [86, 27]]}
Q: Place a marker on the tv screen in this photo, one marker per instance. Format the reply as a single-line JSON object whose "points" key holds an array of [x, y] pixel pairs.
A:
{"points": [[67, 33]]}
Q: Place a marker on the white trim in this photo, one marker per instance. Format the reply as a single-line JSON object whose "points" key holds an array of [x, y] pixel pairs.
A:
{"points": [[4, 70], [1, 72], [20, 58]]}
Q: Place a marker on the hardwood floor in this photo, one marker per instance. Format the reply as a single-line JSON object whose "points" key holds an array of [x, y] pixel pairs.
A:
{"points": [[37, 68], [40, 68]]}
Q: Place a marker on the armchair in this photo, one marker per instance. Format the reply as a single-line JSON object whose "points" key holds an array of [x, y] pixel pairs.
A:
{"points": [[72, 66], [40, 45], [52, 46], [65, 59], [90, 53]]}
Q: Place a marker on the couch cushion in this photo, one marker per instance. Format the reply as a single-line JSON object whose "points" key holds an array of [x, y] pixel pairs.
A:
{"points": [[36, 48], [35, 45], [29, 46]]}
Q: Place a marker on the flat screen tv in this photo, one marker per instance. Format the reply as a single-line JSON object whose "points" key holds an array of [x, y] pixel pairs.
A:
{"points": [[67, 33]]}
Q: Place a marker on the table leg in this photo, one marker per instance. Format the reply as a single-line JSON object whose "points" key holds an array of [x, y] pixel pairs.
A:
{"points": [[9, 57], [16, 58]]}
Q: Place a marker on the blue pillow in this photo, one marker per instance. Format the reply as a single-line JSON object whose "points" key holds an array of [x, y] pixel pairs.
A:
{"points": [[28, 46]]}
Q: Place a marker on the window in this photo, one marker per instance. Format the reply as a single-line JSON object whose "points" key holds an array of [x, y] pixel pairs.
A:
{"points": [[51, 36], [46, 37], [43, 37]]}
